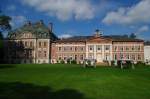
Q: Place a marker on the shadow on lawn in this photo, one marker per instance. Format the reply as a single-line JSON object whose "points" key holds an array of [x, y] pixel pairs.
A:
{"points": [[17, 90], [5, 66]]}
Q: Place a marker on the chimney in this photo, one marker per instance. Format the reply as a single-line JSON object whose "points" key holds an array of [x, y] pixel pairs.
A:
{"points": [[97, 33], [41, 22], [28, 23], [51, 27]]}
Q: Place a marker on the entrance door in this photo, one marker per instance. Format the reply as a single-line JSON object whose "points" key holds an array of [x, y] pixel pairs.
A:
{"points": [[99, 58]]}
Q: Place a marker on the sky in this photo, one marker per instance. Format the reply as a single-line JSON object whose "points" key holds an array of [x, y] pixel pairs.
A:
{"points": [[83, 17]]}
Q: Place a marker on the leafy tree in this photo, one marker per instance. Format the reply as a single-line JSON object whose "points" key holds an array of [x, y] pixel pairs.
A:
{"points": [[4, 26], [5, 22], [132, 35]]}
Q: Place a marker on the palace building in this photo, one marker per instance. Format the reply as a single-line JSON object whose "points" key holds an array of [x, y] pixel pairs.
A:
{"points": [[30, 43], [36, 43], [98, 47]]}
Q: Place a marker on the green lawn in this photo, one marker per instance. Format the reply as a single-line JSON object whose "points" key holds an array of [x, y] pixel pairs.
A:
{"points": [[61, 81]]}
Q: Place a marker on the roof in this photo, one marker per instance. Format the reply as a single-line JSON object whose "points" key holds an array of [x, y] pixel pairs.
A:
{"points": [[147, 43], [75, 39], [85, 38], [39, 29], [120, 38]]}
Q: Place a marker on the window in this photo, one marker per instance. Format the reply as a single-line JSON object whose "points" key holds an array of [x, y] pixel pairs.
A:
{"points": [[106, 57], [115, 48], [44, 61], [40, 44], [107, 47], [70, 48], [81, 57], [82, 48], [75, 48], [133, 57], [133, 48], [127, 56], [65, 58], [139, 48], [30, 52], [75, 57], [127, 48], [59, 48], [25, 43], [139, 57], [91, 47], [65, 48], [45, 54], [45, 44], [59, 57], [39, 54], [38, 61], [115, 57], [31, 44], [121, 56], [121, 48], [99, 48]]}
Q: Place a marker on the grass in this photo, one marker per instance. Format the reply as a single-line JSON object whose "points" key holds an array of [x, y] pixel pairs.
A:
{"points": [[61, 81]]}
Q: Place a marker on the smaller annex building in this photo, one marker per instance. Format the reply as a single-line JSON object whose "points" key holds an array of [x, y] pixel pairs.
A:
{"points": [[30, 43], [147, 52]]}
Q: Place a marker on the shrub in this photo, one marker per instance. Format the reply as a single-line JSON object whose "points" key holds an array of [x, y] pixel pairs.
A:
{"points": [[89, 62], [58, 61], [128, 64], [62, 61], [139, 63], [68, 61], [73, 62], [112, 63], [119, 63]]}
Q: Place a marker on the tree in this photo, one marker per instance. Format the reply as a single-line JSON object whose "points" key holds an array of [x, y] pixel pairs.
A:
{"points": [[132, 35], [4, 26], [5, 22]]}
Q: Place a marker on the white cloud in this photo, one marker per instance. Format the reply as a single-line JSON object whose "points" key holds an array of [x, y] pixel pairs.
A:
{"points": [[64, 9], [142, 29], [138, 13], [65, 36]]}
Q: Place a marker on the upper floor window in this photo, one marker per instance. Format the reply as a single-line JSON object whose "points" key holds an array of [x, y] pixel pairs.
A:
{"points": [[91, 47], [115, 48], [107, 47], [70, 48], [59, 48], [139, 48], [121, 48], [45, 44], [132, 48], [31, 44], [65, 48], [40, 44], [26, 43], [127, 48], [82, 48], [75, 48], [99, 47]]}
